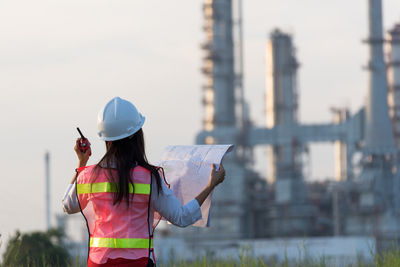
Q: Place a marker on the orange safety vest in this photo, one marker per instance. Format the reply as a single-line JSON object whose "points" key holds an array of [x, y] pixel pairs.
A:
{"points": [[116, 231]]}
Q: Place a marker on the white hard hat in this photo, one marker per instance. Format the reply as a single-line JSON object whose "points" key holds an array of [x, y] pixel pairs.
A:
{"points": [[118, 119]]}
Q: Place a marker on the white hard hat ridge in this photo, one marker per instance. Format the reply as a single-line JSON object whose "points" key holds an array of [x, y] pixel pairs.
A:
{"points": [[118, 119]]}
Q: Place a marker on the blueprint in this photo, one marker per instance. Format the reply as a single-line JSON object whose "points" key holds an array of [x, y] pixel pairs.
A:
{"points": [[187, 170]]}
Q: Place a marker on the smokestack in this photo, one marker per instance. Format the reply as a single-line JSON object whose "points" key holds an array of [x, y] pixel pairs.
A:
{"points": [[47, 174], [379, 135]]}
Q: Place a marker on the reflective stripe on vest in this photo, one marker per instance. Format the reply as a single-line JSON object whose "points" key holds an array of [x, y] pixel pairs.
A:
{"points": [[104, 242], [108, 187]]}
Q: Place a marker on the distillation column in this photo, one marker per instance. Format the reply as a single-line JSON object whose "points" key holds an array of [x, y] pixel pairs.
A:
{"points": [[379, 135], [220, 123], [394, 82], [220, 114], [281, 109], [377, 186], [290, 214], [218, 66]]}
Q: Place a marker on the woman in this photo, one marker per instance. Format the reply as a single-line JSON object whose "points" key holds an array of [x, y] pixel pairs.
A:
{"points": [[123, 197]]}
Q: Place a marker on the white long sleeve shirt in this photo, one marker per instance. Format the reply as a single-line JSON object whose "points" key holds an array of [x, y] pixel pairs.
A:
{"points": [[164, 202]]}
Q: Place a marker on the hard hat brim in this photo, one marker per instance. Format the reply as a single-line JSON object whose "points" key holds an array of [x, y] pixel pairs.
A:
{"points": [[125, 135]]}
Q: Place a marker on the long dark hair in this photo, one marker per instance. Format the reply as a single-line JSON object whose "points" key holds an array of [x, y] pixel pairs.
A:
{"points": [[124, 155]]}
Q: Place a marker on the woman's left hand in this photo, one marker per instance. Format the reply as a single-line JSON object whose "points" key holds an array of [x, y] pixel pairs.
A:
{"points": [[83, 157]]}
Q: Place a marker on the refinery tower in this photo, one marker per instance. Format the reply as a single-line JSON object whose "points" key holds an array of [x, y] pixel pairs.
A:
{"points": [[225, 122]]}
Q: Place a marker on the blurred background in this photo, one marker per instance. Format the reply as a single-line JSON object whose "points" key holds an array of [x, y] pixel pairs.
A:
{"points": [[311, 108]]}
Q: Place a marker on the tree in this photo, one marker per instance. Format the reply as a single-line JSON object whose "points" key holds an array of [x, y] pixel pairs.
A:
{"points": [[36, 249]]}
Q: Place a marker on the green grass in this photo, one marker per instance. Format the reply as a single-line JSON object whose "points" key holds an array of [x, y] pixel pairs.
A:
{"points": [[387, 259], [390, 258]]}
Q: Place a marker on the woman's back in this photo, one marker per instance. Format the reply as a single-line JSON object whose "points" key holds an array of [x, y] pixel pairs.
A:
{"points": [[116, 230]]}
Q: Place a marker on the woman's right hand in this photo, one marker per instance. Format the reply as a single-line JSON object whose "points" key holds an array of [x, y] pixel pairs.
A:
{"points": [[83, 157], [216, 176]]}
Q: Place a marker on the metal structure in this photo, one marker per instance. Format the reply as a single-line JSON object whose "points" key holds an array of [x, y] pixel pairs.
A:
{"points": [[375, 209], [47, 181], [225, 112], [282, 110], [290, 212], [356, 203], [235, 206], [218, 68], [220, 107], [223, 98], [343, 159], [394, 81], [379, 135]]}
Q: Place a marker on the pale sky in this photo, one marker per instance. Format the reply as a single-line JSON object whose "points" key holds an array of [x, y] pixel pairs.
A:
{"points": [[61, 61]]}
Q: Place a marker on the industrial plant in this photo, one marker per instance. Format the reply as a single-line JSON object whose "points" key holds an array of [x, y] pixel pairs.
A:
{"points": [[356, 203]]}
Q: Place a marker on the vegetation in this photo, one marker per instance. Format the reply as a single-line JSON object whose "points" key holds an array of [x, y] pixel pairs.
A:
{"points": [[36, 249], [46, 249], [387, 259]]}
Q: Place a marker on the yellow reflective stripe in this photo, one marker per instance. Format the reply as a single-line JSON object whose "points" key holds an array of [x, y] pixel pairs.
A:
{"points": [[96, 188], [108, 187], [103, 242], [140, 189]]}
